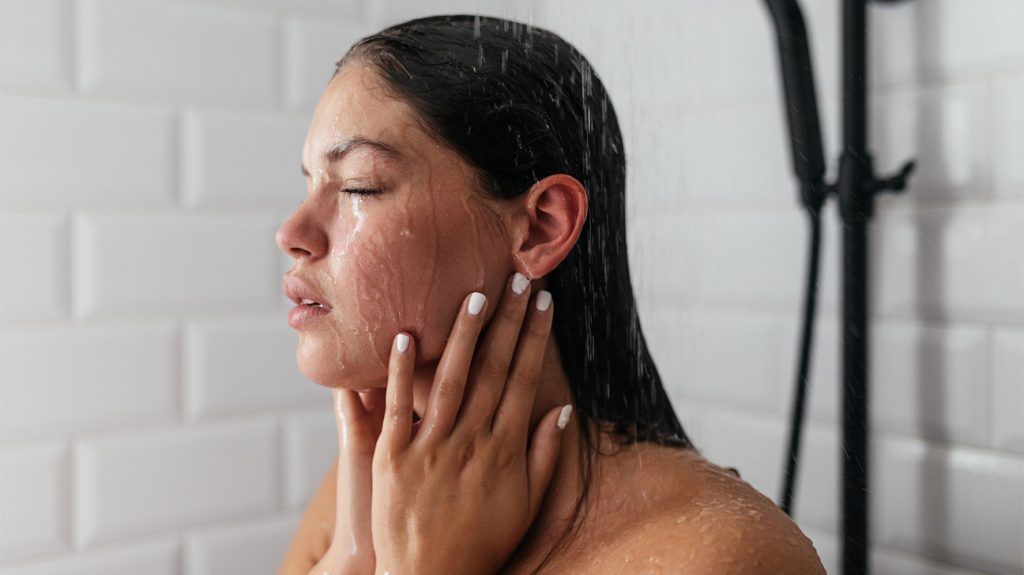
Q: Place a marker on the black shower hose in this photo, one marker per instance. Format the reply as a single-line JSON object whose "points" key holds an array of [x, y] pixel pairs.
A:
{"points": [[803, 364]]}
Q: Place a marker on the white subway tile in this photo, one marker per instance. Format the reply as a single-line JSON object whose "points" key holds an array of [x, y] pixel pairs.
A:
{"points": [[748, 441], [244, 365], [1008, 127], [243, 160], [35, 44], [67, 153], [252, 548], [944, 38], [958, 505], [347, 8], [1008, 389], [169, 50], [386, 12], [926, 382], [737, 154], [959, 263], [33, 267], [883, 561], [163, 480], [312, 48], [67, 380], [152, 557], [723, 357], [311, 447], [33, 501], [656, 177], [736, 53], [174, 263], [661, 251], [945, 129], [752, 258]]}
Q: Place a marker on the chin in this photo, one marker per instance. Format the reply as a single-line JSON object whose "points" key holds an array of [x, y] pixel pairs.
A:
{"points": [[320, 365]]}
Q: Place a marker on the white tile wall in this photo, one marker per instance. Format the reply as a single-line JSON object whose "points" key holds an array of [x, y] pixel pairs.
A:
{"points": [[36, 288], [35, 47], [1007, 392], [242, 161], [150, 556], [311, 447], [125, 264], [66, 153], [152, 419], [34, 500], [179, 51], [1008, 124], [251, 547], [63, 380], [173, 478], [961, 262], [945, 129], [883, 561], [719, 249], [308, 45], [244, 365], [925, 381]]}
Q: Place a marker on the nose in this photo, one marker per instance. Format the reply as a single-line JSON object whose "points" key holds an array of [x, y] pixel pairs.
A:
{"points": [[301, 236]]}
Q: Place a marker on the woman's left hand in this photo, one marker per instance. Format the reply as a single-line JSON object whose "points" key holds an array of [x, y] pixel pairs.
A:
{"points": [[456, 492]]}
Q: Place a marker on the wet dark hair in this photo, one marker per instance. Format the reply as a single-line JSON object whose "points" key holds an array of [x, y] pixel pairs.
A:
{"points": [[519, 103]]}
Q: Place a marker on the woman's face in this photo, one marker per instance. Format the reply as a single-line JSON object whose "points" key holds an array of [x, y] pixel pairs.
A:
{"points": [[400, 259]]}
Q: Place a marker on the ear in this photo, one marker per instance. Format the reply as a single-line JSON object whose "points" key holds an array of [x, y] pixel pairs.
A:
{"points": [[548, 224]]}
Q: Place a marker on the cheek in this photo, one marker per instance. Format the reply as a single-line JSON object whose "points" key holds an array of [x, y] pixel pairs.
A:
{"points": [[379, 277], [413, 274]]}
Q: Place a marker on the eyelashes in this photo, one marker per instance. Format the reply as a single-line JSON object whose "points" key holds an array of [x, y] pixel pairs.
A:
{"points": [[362, 191]]}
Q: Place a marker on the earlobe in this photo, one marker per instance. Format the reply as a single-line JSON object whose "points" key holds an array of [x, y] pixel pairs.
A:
{"points": [[555, 210]]}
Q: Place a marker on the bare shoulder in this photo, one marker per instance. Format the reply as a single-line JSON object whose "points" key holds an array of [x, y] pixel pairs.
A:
{"points": [[724, 526]]}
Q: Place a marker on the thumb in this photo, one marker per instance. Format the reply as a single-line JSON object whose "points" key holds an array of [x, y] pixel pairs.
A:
{"points": [[545, 446]]}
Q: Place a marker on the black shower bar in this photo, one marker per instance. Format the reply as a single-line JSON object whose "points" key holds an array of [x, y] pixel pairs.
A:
{"points": [[855, 187]]}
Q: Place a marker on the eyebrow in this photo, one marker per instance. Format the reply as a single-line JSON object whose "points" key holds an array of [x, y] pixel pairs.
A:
{"points": [[336, 152]]}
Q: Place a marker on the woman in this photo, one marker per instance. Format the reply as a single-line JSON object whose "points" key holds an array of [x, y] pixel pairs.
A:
{"points": [[456, 154]]}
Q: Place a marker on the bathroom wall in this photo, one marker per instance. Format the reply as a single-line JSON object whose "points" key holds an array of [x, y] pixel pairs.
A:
{"points": [[720, 243], [152, 419]]}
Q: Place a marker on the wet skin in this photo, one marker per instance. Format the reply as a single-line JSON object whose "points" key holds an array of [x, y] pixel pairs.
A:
{"points": [[403, 260], [398, 259]]}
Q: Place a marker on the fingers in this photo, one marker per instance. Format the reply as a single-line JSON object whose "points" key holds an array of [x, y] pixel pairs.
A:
{"points": [[545, 446], [490, 366], [512, 419], [452, 371], [397, 428]]}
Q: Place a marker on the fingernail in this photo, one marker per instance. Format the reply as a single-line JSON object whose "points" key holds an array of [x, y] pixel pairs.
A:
{"points": [[476, 302], [563, 416], [543, 299], [402, 340], [519, 283]]}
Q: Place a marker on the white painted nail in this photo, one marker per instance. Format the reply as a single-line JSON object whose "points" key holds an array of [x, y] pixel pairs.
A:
{"points": [[403, 342], [543, 299], [476, 302], [563, 416], [519, 283]]}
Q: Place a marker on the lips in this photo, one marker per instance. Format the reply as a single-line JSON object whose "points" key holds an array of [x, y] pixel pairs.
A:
{"points": [[302, 292]]}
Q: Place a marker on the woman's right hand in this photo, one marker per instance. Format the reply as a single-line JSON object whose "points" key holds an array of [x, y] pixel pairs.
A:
{"points": [[359, 416]]}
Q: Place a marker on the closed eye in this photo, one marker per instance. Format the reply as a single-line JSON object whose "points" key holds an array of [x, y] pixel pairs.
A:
{"points": [[362, 191]]}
